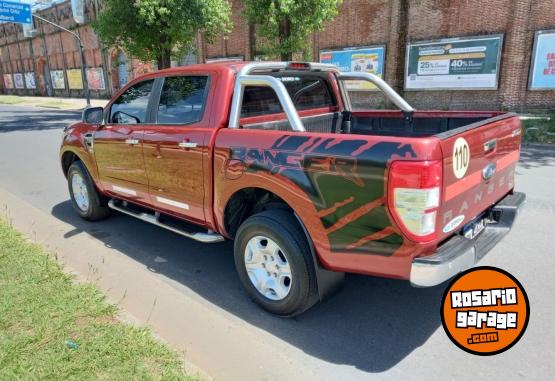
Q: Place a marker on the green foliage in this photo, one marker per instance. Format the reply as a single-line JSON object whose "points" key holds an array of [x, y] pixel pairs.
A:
{"points": [[539, 129], [286, 25], [54, 329], [156, 29]]}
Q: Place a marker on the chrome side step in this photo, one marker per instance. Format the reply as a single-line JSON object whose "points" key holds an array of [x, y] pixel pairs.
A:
{"points": [[153, 219]]}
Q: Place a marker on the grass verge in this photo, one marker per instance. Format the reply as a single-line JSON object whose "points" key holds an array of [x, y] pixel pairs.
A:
{"points": [[53, 328], [10, 99]]}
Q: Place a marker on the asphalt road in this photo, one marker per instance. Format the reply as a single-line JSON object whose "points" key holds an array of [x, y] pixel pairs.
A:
{"points": [[373, 329]]}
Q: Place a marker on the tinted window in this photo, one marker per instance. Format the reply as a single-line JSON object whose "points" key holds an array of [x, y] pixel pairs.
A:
{"points": [[305, 92], [131, 106], [182, 99]]}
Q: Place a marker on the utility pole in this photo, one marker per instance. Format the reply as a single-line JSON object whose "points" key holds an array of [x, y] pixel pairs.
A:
{"points": [[82, 51]]}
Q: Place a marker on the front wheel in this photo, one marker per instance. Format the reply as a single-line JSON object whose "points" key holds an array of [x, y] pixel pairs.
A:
{"points": [[85, 199], [274, 263]]}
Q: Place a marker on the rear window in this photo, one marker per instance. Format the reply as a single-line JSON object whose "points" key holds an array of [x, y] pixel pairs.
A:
{"points": [[182, 100], [305, 92]]}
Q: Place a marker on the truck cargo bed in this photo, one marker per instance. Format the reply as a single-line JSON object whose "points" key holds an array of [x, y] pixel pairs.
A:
{"points": [[423, 123]]}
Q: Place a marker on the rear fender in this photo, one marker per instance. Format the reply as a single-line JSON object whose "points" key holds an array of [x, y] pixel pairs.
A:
{"points": [[336, 184]]}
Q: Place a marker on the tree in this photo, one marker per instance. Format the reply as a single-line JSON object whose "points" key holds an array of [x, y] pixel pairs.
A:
{"points": [[286, 25], [159, 29]]}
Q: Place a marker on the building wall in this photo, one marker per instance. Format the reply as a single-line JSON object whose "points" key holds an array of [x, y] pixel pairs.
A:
{"points": [[52, 50], [396, 22], [236, 44], [392, 23]]}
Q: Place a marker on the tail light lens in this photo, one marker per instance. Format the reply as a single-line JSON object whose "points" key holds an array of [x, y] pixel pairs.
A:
{"points": [[298, 66], [414, 191]]}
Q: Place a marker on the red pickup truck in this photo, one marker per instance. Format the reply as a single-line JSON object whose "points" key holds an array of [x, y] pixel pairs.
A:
{"points": [[273, 156]]}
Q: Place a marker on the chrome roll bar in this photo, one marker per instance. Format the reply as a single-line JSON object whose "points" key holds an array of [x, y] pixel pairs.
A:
{"points": [[245, 77], [380, 84], [263, 80]]}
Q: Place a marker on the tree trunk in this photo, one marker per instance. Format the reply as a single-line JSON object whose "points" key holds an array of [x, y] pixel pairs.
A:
{"points": [[286, 56], [252, 42], [164, 59], [284, 34]]}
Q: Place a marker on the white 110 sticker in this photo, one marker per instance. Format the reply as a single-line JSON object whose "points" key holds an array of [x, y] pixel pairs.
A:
{"points": [[461, 157]]}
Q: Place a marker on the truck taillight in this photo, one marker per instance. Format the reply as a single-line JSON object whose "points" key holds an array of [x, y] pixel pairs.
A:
{"points": [[414, 191], [298, 66]]}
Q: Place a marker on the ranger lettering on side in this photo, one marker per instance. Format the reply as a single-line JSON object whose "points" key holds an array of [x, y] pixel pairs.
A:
{"points": [[273, 156]]}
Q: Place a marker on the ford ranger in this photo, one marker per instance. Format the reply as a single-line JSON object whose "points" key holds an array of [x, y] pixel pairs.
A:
{"points": [[273, 156]]}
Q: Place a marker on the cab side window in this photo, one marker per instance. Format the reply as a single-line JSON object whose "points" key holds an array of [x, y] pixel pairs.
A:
{"points": [[182, 99], [131, 106], [305, 92]]}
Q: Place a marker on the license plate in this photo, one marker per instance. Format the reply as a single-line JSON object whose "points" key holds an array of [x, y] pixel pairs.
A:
{"points": [[472, 230]]}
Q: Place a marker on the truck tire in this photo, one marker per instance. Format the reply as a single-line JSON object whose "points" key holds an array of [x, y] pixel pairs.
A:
{"points": [[86, 200], [274, 263]]}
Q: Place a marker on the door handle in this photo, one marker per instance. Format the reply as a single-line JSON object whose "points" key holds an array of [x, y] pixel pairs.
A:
{"points": [[132, 141], [187, 145], [490, 145], [89, 140]]}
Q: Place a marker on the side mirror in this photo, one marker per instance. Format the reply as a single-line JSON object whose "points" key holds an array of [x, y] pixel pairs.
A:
{"points": [[93, 115], [121, 117]]}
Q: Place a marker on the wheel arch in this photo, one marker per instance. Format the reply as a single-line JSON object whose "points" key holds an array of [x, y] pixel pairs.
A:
{"points": [[67, 158], [247, 201], [327, 282], [71, 154]]}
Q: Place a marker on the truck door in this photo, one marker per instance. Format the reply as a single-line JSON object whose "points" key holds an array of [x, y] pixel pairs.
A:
{"points": [[176, 146], [118, 145]]}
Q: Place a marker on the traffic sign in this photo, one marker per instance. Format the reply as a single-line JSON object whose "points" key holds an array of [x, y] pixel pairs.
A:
{"points": [[15, 12]]}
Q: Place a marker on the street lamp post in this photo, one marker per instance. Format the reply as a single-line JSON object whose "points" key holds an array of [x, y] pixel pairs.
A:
{"points": [[82, 51]]}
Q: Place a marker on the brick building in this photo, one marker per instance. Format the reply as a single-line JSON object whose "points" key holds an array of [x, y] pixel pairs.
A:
{"points": [[49, 63], [391, 23]]}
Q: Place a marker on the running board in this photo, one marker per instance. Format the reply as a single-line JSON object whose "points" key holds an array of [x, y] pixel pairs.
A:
{"points": [[153, 219]]}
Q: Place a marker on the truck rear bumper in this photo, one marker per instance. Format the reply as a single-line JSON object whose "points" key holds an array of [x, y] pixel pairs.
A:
{"points": [[459, 253]]}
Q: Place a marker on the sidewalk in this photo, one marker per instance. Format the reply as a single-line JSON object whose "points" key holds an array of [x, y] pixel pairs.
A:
{"points": [[207, 336], [50, 102]]}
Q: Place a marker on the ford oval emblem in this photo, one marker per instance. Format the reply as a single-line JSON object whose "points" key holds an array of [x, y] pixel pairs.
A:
{"points": [[489, 171]]}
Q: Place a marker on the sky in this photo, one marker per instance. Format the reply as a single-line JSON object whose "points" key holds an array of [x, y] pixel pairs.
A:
{"points": [[39, 4], [43, 3]]}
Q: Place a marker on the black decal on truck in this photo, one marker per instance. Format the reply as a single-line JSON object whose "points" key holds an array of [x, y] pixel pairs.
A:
{"points": [[344, 179]]}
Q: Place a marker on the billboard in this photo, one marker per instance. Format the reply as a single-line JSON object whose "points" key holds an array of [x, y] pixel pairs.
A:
{"points": [[78, 11], [19, 81], [542, 70], [95, 78], [30, 80], [74, 79], [8, 81], [466, 63], [369, 59], [58, 81]]}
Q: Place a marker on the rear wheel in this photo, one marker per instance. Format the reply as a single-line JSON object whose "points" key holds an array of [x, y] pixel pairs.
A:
{"points": [[86, 200], [274, 263]]}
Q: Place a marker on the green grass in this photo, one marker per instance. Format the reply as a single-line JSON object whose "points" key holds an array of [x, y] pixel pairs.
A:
{"points": [[53, 104], [41, 307], [540, 130], [10, 99]]}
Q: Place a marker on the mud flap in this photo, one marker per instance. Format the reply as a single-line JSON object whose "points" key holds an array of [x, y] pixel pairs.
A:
{"points": [[328, 283]]}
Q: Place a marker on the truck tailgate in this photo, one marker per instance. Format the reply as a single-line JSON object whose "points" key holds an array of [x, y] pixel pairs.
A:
{"points": [[479, 163]]}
